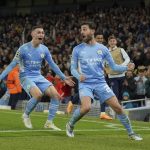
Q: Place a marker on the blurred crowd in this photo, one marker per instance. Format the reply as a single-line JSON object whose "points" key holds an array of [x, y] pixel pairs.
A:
{"points": [[131, 26]]}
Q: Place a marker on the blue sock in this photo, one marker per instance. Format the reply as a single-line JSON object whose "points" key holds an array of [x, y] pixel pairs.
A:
{"points": [[75, 117], [126, 123], [31, 104], [54, 104]]}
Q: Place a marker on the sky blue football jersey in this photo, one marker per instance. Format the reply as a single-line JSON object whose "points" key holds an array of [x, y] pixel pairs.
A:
{"points": [[89, 61], [30, 60]]}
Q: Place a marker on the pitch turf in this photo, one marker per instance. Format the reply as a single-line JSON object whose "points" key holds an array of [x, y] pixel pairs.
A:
{"points": [[90, 134]]}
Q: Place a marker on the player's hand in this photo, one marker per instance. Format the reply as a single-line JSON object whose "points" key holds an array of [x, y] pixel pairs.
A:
{"points": [[82, 78], [69, 81], [131, 66]]}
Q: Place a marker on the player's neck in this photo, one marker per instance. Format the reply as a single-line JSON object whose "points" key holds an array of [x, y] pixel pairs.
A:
{"points": [[34, 44], [92, 42]]}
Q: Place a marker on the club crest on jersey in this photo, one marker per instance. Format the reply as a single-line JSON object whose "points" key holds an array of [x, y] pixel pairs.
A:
{"points": [[99, 52], [42, 55]]}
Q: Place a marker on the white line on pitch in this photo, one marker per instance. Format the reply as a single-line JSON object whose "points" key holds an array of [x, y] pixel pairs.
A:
{"points": [[84, 130], [107, 124]]}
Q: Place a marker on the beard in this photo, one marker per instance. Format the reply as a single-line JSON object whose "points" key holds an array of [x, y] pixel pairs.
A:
{"points": [[87, 38]]}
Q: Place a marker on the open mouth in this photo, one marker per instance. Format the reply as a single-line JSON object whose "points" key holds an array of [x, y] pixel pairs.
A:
{"points": [[40, 39], [83, 36]]}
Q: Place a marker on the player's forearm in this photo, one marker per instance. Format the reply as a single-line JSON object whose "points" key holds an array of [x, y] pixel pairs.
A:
{"points": [[74, 72], [118, 68], [56, 69], [8, 69], [114, 66]]}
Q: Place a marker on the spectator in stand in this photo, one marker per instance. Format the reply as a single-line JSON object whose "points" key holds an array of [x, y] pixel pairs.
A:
{"points": [[100, 38], [66, 93], [121, 58], [137, 57], [14, 87], [129, 84], [126, 97], [140, 82], [58, 84], [147, 57]]}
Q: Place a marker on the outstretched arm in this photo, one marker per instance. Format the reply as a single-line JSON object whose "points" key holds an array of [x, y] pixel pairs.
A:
{"points": [[8, 69], [14, 62], [55, 68], [53, 65]]}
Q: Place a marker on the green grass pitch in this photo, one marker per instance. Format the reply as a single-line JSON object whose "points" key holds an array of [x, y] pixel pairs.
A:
{"points": [[90, 134]]}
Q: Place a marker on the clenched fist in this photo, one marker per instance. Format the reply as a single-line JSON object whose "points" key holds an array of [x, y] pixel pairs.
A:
{"points": [[131, 66]]}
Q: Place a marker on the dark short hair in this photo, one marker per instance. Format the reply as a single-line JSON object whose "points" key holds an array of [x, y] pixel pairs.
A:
{"points": [[37, 26], [141, 68], [90, 24], [98, 33], [111, 37]]}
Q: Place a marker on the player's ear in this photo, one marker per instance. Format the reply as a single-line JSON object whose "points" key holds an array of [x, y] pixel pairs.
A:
{"points": [[32, 33]]}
